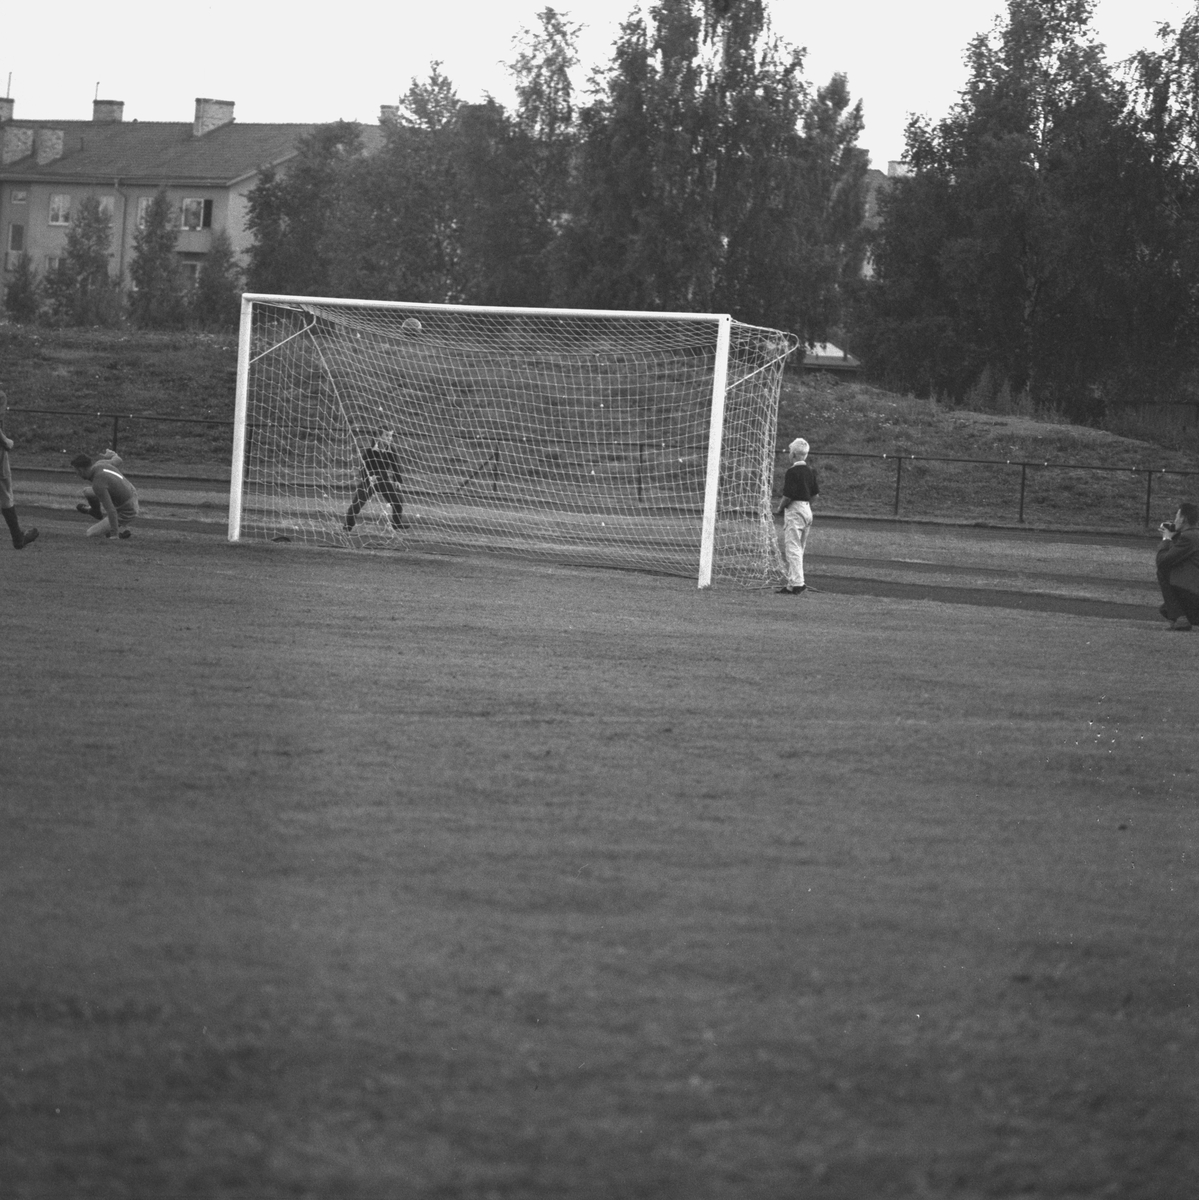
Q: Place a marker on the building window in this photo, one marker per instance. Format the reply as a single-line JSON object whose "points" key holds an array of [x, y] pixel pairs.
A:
{"points": [[143, 210], [60, 209], [107, 203], [20, 197], [53, 262], [189, 272], [195, 214], [16, 239]]}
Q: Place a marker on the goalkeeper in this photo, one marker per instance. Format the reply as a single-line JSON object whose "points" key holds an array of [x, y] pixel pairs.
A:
{"points": [[799, 488], [380, 474]]}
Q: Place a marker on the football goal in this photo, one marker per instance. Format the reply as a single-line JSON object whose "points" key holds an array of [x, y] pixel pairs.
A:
{"points": [[621, 439]]}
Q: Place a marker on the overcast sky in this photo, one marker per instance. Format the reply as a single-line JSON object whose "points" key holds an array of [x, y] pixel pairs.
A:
{"points": [[318, 63]]}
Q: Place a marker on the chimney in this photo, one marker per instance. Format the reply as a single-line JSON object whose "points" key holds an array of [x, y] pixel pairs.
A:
{"points": [[389, 114], [6, 106], [108, 110], [210, 115], [16, 141], [47, 145]]}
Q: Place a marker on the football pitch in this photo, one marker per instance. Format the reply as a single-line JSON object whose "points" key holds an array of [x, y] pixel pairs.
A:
{"points": [[379, 876]]}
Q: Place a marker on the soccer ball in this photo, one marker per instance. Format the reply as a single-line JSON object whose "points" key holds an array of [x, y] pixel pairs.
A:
{"points": [[411, 325]]}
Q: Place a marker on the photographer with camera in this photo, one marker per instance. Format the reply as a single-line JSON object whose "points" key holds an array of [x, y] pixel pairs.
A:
{"points": [[1178, 568]]}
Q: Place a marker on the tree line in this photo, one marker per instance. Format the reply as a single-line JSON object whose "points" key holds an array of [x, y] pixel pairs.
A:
{"points": [[700, 172], [80, 290], [1046, 242]]}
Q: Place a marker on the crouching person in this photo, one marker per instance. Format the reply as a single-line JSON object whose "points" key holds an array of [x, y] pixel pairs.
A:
{"points": [[111, 498], [1178, 568]]}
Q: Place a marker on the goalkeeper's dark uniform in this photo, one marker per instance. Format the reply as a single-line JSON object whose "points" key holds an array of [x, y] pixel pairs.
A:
{"points": [[380, 474]]}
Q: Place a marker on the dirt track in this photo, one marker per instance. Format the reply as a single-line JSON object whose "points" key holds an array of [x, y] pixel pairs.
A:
{"points": [[1075, 572]]}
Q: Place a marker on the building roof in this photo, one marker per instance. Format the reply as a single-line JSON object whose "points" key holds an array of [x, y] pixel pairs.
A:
{"points": [[824, 356], [156, 152]]}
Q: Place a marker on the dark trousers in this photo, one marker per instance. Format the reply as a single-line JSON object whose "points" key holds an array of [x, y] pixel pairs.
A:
{"points": [[1179, 602], [387, 490]]}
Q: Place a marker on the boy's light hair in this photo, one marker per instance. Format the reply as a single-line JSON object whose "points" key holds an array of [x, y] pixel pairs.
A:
{"points": [[799, 448]]}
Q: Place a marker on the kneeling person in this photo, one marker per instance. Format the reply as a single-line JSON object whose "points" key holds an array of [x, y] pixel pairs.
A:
{"points": [[1178, 568], [111, 498]]}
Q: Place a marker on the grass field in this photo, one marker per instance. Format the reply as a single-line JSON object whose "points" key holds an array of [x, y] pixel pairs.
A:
{"points": [[379, 876]]}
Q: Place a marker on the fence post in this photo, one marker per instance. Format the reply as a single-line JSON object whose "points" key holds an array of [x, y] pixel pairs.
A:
{"points": [[1148, 493], [898, 481], [1023, 480]]}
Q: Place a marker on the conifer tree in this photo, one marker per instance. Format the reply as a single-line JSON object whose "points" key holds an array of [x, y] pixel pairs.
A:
{"points": [[22, 296], [80, 291], [156, 300], [216, 301]]}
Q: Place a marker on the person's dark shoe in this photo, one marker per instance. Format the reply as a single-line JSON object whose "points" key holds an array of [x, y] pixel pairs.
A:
{"points": [[30, 536], [1182, 625]]}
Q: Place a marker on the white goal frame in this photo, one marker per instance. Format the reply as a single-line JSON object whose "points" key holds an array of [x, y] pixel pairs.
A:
{"points": [[722, 323]]}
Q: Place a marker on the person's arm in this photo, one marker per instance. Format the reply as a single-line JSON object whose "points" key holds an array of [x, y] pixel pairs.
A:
{"points": [[5, 440], [785, 499], [1174, 551]]}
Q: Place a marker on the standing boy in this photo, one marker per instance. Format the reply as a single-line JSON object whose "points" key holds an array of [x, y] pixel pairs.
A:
{"points": [[7, 507], [799, 487], [111, 499]]}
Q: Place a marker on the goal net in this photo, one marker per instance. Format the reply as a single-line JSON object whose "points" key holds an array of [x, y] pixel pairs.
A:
{"points": [[642, 440]]}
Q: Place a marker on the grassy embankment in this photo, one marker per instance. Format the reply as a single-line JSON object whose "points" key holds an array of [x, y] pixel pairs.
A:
{"points": [[192, 375]]}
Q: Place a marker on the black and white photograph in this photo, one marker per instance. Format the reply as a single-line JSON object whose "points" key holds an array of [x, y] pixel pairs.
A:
{"points": [[602, 601]]}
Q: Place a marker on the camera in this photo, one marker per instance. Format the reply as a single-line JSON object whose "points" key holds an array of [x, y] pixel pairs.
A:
{"points": [[1168, 527]]}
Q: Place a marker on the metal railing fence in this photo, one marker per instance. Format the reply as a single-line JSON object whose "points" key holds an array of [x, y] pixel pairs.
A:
{"points": [[117, 418], [1025, 466]]}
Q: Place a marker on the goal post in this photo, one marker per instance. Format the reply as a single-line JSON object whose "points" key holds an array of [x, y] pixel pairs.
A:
{"points": [[626, 439]]}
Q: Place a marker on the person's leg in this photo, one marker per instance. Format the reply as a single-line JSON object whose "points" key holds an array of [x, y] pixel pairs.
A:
{"points": [[795, 540], [391, 494], [91, 506], [361, 495], [127, 513], [1189, 603], [19, 539], [1172, 605], [8, 508]]}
